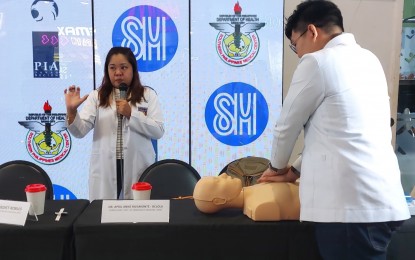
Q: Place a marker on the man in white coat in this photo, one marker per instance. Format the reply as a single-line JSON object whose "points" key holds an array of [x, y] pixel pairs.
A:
{"points": [[350, 179]]}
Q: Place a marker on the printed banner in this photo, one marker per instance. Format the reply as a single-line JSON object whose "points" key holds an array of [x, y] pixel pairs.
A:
{"points": [[236, 80], [158, 34], [216, 66], [48, 49]]}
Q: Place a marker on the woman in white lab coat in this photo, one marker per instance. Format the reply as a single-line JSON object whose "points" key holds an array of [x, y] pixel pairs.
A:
{"points": [[124, 123]]}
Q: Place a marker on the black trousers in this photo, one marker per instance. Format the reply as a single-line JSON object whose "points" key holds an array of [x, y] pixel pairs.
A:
{"points": [[352, 241]]}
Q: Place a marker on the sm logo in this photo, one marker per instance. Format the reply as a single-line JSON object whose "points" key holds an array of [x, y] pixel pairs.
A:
{"points": [[236, 114], [150, 33], [62, 193]]}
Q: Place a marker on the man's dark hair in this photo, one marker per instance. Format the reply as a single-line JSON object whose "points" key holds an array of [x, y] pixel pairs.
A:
{"points": [[323, 14]]}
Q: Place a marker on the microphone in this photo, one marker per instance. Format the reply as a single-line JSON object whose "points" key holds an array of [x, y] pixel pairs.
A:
{"points": [[120, 147], [123, 91]]}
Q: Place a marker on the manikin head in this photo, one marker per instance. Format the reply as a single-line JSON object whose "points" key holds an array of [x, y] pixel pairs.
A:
{"points": [[214, 193]]}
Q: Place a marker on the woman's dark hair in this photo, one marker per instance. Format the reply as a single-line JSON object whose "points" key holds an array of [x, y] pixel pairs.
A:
{"points": [[135, 92], [323, 14]]}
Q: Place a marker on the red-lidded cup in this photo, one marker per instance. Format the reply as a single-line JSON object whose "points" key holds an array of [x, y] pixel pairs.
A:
{"points": [[35, 194], [141, 190]]}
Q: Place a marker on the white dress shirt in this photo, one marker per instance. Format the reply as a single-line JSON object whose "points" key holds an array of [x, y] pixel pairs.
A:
{"points": [[349, 171]]}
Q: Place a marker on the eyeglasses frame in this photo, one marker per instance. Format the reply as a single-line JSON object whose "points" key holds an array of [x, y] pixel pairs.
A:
{"points": [[294, 44]]}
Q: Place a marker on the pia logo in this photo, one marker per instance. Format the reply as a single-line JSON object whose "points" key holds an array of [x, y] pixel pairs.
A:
{"points": [[236, 114], [150, 33]]}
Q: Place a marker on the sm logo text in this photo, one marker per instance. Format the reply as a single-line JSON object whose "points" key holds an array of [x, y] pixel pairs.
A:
{"points": [[236, 114], [150, 33]]}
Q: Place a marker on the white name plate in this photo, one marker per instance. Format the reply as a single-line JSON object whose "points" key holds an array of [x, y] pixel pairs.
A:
{"points": [[132, 211], [13, 212]]}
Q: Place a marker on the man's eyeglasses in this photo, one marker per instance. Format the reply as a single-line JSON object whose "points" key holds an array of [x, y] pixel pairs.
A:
{"points": [[294, 43]]}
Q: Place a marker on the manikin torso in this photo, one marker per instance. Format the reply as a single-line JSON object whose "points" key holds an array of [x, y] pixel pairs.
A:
{"points": [[272, 201], [260, 202]]}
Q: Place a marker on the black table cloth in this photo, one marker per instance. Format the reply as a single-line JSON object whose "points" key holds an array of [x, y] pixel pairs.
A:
{"points": [[45, 238], [191, 234]]}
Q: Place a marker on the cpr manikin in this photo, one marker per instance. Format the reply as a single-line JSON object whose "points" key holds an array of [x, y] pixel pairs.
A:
{"points": [[260, 202]]}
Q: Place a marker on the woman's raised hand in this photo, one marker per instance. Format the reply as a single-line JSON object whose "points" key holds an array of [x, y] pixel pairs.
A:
{"points": [[73, 98]]}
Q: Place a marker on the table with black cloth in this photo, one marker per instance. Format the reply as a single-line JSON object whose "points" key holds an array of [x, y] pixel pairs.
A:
{"points": [[45, 238], [191, 234]]}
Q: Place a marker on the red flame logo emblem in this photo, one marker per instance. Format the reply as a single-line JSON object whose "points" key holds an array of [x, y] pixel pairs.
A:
{"points": [[237, 8], [46, 107]]}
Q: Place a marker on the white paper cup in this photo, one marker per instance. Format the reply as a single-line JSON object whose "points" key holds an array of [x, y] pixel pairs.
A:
{"points": [[141, 190], [35, 194]]}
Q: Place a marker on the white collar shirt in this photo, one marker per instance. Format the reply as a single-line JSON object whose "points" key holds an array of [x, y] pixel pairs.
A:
{"points": [[349, 171]]}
